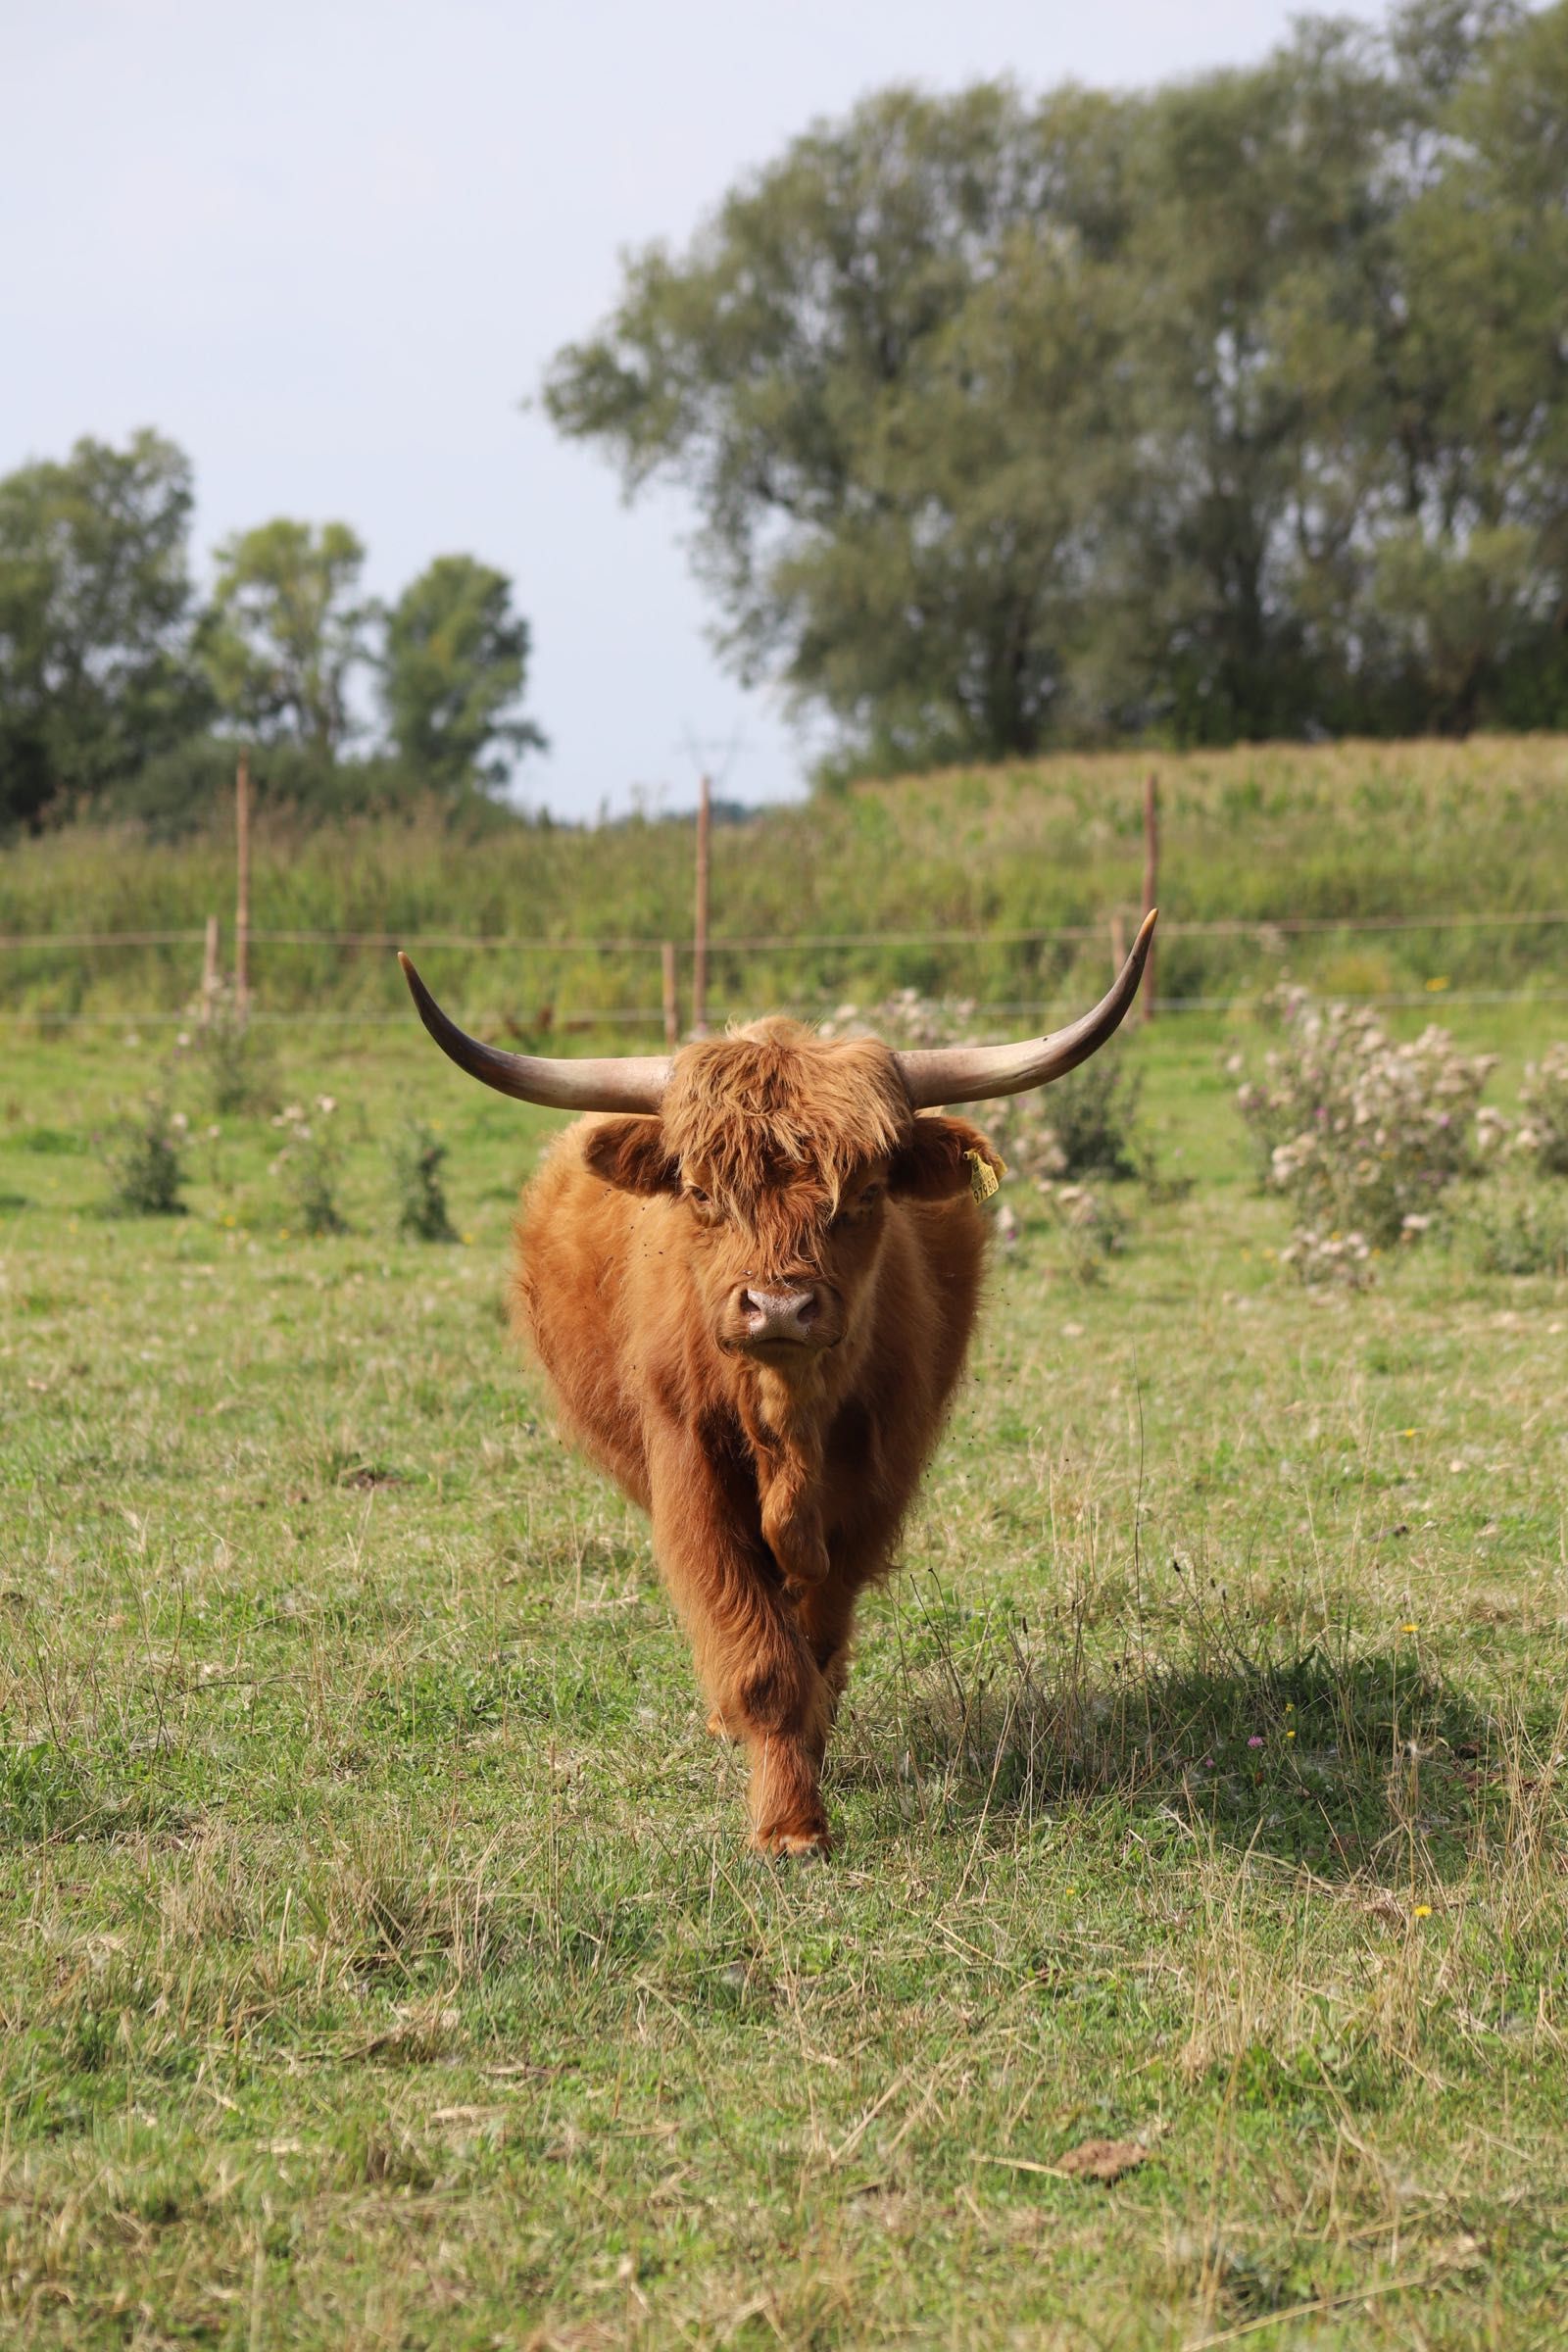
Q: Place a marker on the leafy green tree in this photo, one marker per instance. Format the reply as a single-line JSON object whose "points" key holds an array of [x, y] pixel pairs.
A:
{"points": [[1234, 409], [988, 409], [1472, 584], [95, 612], [879, 383], [453, 669], [286, 630], [1250, 277]]}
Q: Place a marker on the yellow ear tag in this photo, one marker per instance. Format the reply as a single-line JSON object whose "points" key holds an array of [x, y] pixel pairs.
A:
{"points": [[984, 1181]]}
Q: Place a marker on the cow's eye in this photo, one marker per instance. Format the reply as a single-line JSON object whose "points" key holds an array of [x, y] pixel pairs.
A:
{"points": [[695, 1193], [856, 1209]]}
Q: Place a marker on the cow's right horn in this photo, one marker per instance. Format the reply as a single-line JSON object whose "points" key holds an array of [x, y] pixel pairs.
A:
{"points": [[633, 1082], [936, 1074]]}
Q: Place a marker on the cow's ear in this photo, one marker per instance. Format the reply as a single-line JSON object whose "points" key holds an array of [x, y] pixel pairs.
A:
{"points": [[935, 1163], [632, 1155]]}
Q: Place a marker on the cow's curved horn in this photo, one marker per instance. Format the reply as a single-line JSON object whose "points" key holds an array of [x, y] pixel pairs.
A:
{"points": [[633, 1082], [974, 1073]]}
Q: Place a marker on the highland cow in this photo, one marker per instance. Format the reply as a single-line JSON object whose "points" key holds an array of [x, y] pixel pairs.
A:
{"points": [[752, 1277]]}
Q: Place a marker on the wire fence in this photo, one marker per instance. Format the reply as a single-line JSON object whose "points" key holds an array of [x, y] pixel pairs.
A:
{"points": [[1259, 927], [1058, 946]]}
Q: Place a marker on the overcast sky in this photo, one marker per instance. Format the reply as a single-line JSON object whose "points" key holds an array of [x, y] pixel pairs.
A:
{"points": [[329, 247]]}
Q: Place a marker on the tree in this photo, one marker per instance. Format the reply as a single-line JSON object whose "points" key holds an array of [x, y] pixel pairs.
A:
{"points": [[1234, 409], [95, 608], [874, 377], [1472, 584], [453, 669], [983, 405], [285, 631]]}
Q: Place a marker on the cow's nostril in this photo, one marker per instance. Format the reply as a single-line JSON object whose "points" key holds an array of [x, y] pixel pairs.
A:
{"points": [[780, 1311]]}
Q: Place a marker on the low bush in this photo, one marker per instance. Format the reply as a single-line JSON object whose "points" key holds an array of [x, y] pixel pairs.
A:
{"points": [[1093, 1229], [310, 1166], [906, 1019], [146, 1162], [1514, 1229], [1542, 1130], [235, 1057], [1085, 1125], [1363, 1136], [417, 1157]]}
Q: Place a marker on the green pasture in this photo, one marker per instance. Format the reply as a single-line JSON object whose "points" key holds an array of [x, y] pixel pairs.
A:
{"points": [[1413, 858], [381, 1963]]}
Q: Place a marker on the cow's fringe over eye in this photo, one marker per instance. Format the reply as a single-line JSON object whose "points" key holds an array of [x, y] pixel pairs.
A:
{"points": [[752, 1110]]}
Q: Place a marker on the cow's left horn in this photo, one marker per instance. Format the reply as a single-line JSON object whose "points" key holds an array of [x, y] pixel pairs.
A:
{"points": [[634, 1082], [974, 1073]]}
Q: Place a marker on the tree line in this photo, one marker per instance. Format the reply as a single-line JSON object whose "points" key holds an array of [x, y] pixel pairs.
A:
{"points": [[123, 692], [1227, 410]]}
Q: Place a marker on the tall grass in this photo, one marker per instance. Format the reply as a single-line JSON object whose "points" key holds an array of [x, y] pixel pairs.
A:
{"points": [[1345, 834]]}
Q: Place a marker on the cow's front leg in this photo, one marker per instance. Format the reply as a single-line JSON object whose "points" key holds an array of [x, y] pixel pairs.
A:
{"points": [[752, 1656], [827, 1613], [858, 1555]]}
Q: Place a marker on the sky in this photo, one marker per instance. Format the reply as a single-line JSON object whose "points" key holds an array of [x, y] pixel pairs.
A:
{"points": [[329, 249]]}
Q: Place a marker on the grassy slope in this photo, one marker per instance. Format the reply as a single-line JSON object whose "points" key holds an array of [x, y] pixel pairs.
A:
{"points": [[379, 1960], [1349, 831]]}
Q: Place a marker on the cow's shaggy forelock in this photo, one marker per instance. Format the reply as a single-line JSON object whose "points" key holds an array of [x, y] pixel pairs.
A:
{"points": [[776, 1105]]}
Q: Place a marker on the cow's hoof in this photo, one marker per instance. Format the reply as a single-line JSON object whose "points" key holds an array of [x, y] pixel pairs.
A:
{"points": [[807, 1845]]}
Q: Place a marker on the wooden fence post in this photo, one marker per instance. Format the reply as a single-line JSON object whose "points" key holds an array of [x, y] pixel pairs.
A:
{"points": [[700, 916], [1150, 881], [667, 957], [209, 953], [242, 886]]}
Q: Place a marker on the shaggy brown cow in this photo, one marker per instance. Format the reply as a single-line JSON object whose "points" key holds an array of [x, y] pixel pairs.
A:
{"points": [[753, 1290]]}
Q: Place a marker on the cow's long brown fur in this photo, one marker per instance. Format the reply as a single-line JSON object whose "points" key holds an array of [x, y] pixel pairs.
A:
{"points": [[776, 1484]]}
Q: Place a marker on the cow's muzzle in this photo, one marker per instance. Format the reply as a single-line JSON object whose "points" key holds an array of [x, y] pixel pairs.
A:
{"points": [[786, 1318]]}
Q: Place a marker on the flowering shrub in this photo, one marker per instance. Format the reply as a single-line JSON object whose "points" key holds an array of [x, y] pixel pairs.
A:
{"points": [[1084, 1125], [310, 1164], [906, 1019], [146, 1162], [1091, 1227], [1362, 1136], [1542, 1129]]}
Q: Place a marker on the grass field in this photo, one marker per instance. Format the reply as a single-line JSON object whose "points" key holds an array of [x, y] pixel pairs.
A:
{"points": [[380, 1961], [1341, 834]]}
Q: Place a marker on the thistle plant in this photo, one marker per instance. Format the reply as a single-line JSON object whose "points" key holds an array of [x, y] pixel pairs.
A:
{"points": [[1085, 1125], [1091, 1227], [1518, 1228], [310, 1166], [1542, 1130], [417, 1155], [1363, 1136], [146, 1162], [234, 1057]]}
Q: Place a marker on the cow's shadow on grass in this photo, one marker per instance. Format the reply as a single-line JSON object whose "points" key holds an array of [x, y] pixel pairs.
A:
{"points": [[1340, 1765]]}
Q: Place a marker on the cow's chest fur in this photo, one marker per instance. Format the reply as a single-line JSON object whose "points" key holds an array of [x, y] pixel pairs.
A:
{"points": [[786, 1423]]}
